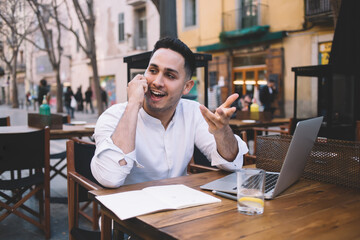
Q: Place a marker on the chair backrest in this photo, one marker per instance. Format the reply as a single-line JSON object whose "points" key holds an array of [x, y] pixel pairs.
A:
{"points": [[79, 155], [65, 118], [80, 181], [24, 150], [5, 121], [54, 121]]}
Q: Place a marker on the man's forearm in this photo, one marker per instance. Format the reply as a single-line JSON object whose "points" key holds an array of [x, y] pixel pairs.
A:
{"points": [[124, 134], [226, 143]]}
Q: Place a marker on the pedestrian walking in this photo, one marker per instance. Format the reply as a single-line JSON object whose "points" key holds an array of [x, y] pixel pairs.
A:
{"points": [[88, 100], [69, 97], [28, 100], [104, 98], [79, 99], [43, 89]]}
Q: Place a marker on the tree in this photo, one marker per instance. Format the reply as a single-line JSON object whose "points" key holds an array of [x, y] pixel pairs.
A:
{"points": [[86, 17], [43, 10], [14, 30]]}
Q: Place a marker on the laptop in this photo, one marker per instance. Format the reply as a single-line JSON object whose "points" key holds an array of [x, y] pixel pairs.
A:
{"points": [[294, 163]]}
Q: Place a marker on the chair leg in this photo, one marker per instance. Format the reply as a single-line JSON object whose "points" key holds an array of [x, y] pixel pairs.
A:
{"points": [[53, 168], [105, 227], [72, 206], [95, 215]]}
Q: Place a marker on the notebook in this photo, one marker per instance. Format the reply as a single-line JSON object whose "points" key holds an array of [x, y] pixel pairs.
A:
{"points": [[294, 163]]}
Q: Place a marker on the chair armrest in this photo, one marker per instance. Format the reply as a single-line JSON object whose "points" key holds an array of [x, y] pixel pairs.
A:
{"points": [[249, 159], [83, 181], [271, 130], [197, 168]]}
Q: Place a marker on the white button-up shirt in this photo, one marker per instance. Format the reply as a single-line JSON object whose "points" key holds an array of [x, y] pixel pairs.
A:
{"points": [[158, 153]]}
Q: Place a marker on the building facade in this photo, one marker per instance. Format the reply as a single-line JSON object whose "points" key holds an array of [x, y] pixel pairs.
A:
{"points": [[253, 41], [122, 28]]}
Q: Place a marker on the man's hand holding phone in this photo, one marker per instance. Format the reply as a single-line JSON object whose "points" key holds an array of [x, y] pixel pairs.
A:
{"points": [[136, 90]]}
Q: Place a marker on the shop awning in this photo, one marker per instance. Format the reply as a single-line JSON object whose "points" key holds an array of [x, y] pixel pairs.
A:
{"points": [[241, 41], [245, 32]]}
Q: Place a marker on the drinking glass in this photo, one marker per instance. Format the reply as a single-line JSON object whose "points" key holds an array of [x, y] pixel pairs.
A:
{"points": [[250, 191]]}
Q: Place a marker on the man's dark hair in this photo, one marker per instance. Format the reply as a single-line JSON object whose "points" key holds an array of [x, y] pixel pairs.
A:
{"points": [[180, 47], [43, 82]]}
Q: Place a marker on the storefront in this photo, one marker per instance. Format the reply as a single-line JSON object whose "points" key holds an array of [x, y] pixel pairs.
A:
{"points": [[243, 68]]}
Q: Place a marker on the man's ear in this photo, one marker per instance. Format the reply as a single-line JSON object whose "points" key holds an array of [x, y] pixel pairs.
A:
{"points": [[188, 86]]}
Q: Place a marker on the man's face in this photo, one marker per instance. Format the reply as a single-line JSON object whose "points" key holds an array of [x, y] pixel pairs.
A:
{"points": [[247, 100], [167, 82]]}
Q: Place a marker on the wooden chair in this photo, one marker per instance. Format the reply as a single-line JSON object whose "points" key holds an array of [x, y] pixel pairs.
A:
{"points": [[80, 181], [287, 129], [5, 121], [248, 158], [59, 158], [28, 151], [199, 163]]}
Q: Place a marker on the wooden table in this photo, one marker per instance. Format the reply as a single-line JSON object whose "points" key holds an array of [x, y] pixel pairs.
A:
{"points": [[239, 125], [307, 210], [67, 132], [70, 131]]}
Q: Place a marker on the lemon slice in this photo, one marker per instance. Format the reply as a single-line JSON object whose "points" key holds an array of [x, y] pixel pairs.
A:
{"points": [[251, 202]]}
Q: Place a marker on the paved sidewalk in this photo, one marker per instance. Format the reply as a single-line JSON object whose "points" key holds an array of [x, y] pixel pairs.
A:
{"points": [[19, 116], [15, 228]]}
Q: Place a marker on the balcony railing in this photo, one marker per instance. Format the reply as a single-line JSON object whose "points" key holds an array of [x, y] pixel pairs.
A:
{"points": [[247, 16], [318, 10]]}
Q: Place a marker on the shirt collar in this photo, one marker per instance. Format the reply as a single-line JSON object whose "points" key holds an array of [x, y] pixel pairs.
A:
{"points": [[149, 119]]}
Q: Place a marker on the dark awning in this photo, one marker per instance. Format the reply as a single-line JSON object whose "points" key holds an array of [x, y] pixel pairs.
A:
{"points": [[245, 32], [242, 41]]}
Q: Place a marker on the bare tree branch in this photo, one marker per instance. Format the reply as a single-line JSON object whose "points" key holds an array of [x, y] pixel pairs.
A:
{"points": [[43, 12], [13, 25]]}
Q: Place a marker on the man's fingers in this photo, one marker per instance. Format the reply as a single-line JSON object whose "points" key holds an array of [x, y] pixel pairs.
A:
{"points": [[225, 112], [230, 100], [209, 116]]}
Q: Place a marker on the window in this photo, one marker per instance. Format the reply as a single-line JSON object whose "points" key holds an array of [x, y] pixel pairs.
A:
{"points": [[249, 13], [190, 13], [246, 78], [121, 27], [140, 31]]}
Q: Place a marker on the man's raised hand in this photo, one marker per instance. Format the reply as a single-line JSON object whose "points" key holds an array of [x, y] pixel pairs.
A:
{"points": [[219, 121]]}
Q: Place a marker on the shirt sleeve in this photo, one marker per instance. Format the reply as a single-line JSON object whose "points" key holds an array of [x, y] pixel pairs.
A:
{"points": [[105, 165], [217, 160], [205, 141]]}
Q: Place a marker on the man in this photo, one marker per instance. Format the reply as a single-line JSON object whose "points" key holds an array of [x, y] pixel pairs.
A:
{"points": [[88, 100], [267, 96], [152, 136], [43, 90]]}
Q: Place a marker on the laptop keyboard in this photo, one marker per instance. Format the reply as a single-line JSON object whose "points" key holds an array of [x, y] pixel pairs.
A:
{"points": [[270, 181]]}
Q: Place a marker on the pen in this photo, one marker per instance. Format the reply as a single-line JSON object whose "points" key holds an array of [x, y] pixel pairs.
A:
{"points": [[225, 195]]}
